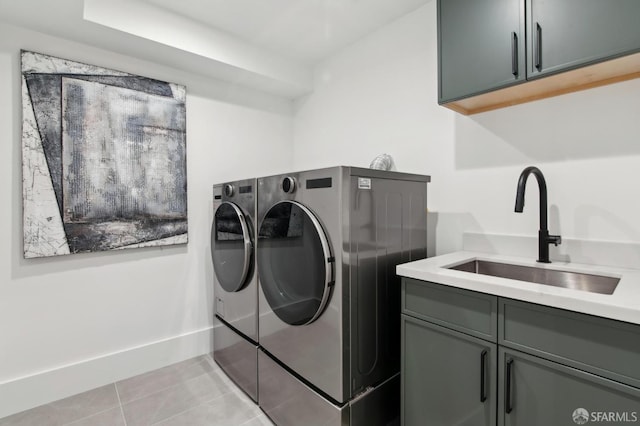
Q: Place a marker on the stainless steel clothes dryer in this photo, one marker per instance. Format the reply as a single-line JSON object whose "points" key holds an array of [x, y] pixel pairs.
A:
{"points": [[235, 344], [328, 244]]}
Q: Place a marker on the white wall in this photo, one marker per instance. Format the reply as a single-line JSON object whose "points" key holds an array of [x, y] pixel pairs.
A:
{"points": [[72, 323], [380, 95]]}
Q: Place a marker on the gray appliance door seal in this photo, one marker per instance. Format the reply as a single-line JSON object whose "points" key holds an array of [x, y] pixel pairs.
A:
{"points": [[230, 247], [295, 263]]}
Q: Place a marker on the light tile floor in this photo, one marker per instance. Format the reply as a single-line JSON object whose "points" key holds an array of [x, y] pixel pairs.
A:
{"points": [[193, 392]]}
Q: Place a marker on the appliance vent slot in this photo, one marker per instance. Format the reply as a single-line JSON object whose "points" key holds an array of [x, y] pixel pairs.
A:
{"points": [[319, 183]]}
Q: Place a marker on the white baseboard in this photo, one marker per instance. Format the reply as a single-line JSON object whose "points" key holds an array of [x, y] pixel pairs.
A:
{"points": [[47, 386]]}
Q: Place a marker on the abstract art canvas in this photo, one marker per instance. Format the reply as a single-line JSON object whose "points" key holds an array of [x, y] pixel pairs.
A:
{"points": [[103, 159]]}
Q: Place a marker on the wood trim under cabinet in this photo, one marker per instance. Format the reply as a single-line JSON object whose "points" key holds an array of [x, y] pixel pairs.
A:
{"points": [[600, 74]]}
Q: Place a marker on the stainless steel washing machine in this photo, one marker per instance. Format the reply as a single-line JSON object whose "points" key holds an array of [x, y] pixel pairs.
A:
{"points": [[328, 243], [235, 341]]}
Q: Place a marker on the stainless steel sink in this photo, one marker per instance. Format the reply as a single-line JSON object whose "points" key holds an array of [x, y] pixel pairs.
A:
{"points": [[574, 280]]}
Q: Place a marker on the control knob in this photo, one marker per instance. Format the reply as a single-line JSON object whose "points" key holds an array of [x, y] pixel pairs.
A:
{"points": [[288, 185]]}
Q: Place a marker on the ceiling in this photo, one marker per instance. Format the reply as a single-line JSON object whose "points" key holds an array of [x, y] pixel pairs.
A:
{"points": [[269, 45], [304, 30]]}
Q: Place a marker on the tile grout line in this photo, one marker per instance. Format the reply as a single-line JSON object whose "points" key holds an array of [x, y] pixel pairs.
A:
{"points": [[251, 419], [86, 417], [209, 361], [90, 415], [230, 390], [162, 389], [177, 414], [206, 402], [124, 419]]}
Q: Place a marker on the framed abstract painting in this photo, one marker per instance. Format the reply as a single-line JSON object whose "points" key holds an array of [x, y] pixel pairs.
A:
{"points": [[103, 159]]}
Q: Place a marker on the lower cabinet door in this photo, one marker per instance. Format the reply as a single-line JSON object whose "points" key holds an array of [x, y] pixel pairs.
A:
{"points": [[448, 378], [534, 391]]}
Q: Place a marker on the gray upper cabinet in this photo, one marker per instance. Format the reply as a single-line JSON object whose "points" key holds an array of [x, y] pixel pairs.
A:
{"points": [[493, 53], [572, 33], [480, 46]]}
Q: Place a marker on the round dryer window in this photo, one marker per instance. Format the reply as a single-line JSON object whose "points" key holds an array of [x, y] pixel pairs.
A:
{"points": [[295, 263], [230, 247]]}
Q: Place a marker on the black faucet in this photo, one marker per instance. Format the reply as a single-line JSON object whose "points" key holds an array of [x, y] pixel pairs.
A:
{"points": [[544, 239]]}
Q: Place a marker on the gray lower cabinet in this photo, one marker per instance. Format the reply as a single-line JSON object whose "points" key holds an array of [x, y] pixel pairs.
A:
{"points": [[543, 367], [535, 392], [451, 377]]}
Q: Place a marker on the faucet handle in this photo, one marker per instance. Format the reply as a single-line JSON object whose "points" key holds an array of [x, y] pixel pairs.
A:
{"points": [[554, 239]]}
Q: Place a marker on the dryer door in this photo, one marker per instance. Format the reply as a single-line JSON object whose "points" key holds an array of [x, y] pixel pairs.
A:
{"points": [[294, 263], [230, 247]]}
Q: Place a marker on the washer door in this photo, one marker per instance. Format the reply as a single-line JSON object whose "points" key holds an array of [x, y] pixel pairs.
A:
{"points": [[230, 247], [295, 263]]}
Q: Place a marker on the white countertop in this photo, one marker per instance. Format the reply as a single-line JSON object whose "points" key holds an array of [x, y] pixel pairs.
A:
{"points": [[623, 304]]}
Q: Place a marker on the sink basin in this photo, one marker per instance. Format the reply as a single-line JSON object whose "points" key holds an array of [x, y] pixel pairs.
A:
{"points": [[573, 280]]}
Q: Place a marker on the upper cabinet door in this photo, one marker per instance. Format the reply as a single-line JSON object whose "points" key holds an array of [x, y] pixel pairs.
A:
{"points": [[480, 46], [568, 34]]}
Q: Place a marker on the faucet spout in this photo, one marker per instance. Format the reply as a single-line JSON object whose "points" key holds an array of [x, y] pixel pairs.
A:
{"points": [[544, 239]]}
